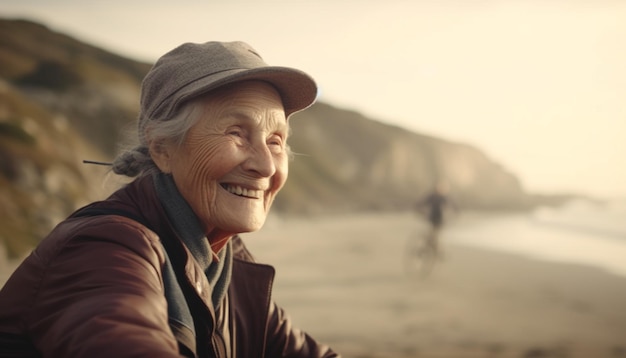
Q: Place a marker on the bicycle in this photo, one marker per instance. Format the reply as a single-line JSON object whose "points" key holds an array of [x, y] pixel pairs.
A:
{"points": [[421, 252]]}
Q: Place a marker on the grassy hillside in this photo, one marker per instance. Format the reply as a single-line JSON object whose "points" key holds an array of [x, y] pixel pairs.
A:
{"points": [[40, 175], [96, 90]]}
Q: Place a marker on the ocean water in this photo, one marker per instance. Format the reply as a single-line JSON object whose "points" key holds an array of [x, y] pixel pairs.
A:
{"points": [[580, 232]]}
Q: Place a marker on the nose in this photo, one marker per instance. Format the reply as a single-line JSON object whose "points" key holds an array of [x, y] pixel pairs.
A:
{"points": [[260, 161]]}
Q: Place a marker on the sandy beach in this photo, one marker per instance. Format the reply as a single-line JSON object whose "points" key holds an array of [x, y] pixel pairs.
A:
{"points": [[342, 280]]}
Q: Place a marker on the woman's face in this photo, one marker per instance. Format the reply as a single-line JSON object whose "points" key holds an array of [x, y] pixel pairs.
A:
{"points": [[234, 160]]}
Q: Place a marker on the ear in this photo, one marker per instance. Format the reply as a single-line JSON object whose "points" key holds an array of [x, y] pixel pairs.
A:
{"points": [[161, 155]]}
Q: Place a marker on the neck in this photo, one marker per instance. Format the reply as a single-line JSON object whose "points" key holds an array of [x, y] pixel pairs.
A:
{"points": [[218, 239]]}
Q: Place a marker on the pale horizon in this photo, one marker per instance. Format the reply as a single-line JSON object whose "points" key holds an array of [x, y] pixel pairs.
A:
{"points": [[540, 87]]}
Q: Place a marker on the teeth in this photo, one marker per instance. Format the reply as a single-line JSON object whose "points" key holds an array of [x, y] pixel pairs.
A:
{"points": [[237, 190]]}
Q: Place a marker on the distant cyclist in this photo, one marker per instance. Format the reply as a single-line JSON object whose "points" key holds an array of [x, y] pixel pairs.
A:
{"points": [[435, 207]]}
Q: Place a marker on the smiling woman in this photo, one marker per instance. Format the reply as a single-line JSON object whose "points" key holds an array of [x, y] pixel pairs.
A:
{"points": [[158, 269]]}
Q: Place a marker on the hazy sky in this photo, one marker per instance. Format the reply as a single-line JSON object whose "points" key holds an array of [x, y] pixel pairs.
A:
{"points": [[540, 86]]}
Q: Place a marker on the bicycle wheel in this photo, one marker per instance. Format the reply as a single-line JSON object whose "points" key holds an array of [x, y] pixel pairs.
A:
{"points": [[420, 255]]}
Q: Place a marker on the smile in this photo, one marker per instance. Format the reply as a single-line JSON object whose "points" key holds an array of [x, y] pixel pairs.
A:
{"points": [[239, 191]]}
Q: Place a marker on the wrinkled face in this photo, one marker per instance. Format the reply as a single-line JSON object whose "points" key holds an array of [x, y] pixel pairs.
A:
{"points": [[234, 160]]}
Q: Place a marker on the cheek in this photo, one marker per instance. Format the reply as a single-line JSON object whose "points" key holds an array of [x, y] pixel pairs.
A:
{"points": [[209, 160], [200, 168], [282, 172]]}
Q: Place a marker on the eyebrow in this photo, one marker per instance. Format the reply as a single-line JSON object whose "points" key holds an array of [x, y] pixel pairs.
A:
{"points": [[272, 121]]}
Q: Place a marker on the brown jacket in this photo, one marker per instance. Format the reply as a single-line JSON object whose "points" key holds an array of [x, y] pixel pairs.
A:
{"points": [[94, 288]]}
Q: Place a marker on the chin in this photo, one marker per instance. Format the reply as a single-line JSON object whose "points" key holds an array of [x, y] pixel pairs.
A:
{"points": [[246, 226], [254, 226]]}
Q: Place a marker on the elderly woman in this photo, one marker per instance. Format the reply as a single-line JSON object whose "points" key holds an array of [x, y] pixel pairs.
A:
{"points": [[157, 269]]}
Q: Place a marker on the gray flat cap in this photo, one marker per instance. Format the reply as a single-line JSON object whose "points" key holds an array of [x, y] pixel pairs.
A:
{"points": [[191, 70]]}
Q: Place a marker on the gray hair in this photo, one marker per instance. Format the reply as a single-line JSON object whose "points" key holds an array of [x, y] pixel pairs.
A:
{"points": [[137, 161]]}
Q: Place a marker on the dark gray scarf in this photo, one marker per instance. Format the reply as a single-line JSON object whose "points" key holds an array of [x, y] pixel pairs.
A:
{"points": [[187, 226]]}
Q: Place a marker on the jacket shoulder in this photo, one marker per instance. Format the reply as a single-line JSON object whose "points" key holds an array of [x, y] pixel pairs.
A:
{"points": [[240, 251], [109, 228]]}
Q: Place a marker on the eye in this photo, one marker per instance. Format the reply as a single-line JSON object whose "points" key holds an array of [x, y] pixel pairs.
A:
{"points": [[235, 131], [276, 141]]}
